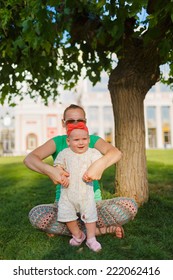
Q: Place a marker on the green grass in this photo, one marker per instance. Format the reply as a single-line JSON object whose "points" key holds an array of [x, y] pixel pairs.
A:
{"points": [[148, 236]]}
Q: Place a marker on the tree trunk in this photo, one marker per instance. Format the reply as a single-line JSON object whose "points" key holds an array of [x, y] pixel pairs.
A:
{"points": [[131, 174], [128, 88]]}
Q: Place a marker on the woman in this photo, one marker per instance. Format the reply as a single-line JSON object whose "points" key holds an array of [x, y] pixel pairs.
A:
{"points": [[112, 213]]}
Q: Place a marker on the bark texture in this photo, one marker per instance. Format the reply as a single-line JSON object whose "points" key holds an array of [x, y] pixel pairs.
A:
{"points": [[128, 85]]}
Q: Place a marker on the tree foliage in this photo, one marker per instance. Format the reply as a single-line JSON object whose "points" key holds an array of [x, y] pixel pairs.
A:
{"points": [[48, 43]]}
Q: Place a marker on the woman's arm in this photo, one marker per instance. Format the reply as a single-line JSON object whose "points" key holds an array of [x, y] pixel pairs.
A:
{"points": [[111, 155], [34, 161]]}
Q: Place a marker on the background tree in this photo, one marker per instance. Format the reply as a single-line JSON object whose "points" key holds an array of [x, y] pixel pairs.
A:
{"points": [[48, 43]]}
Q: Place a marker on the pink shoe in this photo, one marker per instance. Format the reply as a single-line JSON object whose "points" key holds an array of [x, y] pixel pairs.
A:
{"points": [[77, 241], [93, 244]]}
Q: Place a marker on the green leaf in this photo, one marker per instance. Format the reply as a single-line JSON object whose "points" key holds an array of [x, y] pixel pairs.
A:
{"points": [[46, 41]]}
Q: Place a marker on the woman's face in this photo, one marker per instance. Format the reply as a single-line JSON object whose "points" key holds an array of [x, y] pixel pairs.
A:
{"points": [[73, 116]]}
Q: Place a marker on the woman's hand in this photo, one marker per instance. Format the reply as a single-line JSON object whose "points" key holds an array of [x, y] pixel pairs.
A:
{"points": [[111, 155], [58, 175]]}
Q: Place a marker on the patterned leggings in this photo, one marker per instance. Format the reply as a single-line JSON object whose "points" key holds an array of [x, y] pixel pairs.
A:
{"points": [[116, 211]]}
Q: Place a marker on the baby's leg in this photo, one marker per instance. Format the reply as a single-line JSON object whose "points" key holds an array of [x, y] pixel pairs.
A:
{"points": [[74, 228], [77, 234], [91, 229], [91, 242]]}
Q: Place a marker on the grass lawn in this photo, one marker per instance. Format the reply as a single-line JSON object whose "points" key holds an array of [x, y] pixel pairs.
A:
{"points": [[148, 237]]}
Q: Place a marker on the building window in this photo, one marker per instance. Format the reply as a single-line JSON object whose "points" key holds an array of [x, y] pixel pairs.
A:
{"points": [[151, 116], [31, 141], [108, 136], [165, 114], [6, 141], [166, 126], [152, 138], [151, 113], [167, 138]]}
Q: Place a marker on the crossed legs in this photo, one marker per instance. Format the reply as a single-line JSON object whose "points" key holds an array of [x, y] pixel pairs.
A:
{"points": [[112, 214]]}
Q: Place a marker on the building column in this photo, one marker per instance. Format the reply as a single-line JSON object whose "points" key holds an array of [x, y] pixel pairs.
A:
{"points": [[146, 128], [101, 122], [159, 132], [171, 124], [17, 134], [43, 138]]}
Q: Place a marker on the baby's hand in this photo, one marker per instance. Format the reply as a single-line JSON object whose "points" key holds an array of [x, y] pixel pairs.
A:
{"points": [[86, 178], [64, 181]]}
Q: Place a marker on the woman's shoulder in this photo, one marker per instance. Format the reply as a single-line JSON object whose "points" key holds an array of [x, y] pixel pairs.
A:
{"points": [[59, 137], [60, 143], [93, 136], [93, 140]]}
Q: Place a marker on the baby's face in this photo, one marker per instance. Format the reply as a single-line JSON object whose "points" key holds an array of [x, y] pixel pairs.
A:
{"points": [[78, 141]]}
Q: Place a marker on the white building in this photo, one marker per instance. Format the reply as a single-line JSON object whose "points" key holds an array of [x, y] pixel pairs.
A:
{"points": [[158, 107], [30, 124]]}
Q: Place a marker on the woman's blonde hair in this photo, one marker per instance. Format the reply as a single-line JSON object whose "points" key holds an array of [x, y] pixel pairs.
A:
{"points": [[73, 106]]}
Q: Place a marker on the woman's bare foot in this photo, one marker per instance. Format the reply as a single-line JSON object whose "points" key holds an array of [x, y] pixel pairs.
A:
{"points": [[117, 229], [50, 235]]}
